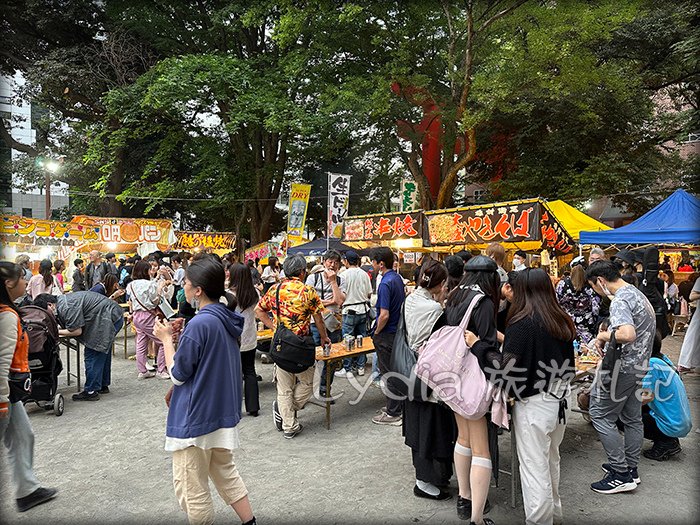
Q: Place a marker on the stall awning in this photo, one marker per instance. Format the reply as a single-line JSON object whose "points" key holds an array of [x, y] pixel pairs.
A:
{"points": [[675, 221]]}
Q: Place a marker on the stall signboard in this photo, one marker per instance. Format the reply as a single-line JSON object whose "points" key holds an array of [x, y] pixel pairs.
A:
{"points": [[298, 206], [409, 257], [409, 195], [187, 240], [516, 222], [384, 227], [338, 196], [263, 251], [553, 235], [25, 230], [129, 231]]}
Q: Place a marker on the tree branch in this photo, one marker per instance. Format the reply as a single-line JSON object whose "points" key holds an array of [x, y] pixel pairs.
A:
{"points": [[10, 141], [501, 14]]}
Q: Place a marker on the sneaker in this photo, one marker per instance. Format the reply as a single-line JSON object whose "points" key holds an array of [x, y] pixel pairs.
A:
{"points": [[146, 375], [39, 496], [377, 383], [614, 482], [150, 367], [361, 371], [276, 416], [293, 433], [633, 471], [162, 375], [422, 494], [386, 419], [464, 508], [342, 373], [485, 521], [103, 390], [381, 410], [86, 396], [660, 453]]}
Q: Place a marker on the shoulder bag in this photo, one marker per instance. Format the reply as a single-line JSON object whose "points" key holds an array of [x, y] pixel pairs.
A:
{"points": [[330, 318], [447, 365], [403, 381], [613, 351], [291, 352]]}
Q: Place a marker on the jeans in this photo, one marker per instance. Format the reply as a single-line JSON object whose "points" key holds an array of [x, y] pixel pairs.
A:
{"points": [[98, 365], [335, 337], [384, 344], [250, 381], [17, 434], [354, 324]]}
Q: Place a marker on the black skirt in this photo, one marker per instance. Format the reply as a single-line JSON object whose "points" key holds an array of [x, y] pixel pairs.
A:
{"points": [[429, 429]]}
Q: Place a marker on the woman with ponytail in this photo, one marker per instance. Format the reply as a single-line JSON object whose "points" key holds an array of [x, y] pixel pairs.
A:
{"points": [[205, 405], [44, 282], [15, 430]]}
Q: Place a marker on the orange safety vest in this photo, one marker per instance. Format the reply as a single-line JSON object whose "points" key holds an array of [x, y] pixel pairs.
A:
{"points": [[20, 359]]}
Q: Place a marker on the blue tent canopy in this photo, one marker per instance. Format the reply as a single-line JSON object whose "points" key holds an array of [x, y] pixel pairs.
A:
{"points": [[317, 247], [675, 221]]}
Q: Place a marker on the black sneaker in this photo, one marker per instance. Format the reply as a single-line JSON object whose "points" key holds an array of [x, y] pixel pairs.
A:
{"points": [[487, 521], [86, 396], [276, 416], [614, 482], [422, 494], [39, 496], [633, 471], [660, 453], [104, 390], [464, 508], [293, 433]]}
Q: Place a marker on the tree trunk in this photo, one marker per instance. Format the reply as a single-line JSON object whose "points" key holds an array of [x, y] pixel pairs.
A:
{"points": [[110, 206]]}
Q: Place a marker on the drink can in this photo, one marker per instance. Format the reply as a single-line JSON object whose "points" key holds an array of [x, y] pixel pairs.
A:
{"points": [[359, 341]]}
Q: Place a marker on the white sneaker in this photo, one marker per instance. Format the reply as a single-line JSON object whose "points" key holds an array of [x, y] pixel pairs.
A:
{"points": [[361, 371], [162, 375], [146, 375], [150, 367], [341, 373], [349, 375]]}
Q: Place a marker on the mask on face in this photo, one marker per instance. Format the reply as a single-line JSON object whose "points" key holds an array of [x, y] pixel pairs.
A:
{"points": [[605, 289]]}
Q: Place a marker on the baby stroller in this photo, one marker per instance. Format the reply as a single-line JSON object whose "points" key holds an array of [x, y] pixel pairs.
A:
{"points": [[44, 360]]}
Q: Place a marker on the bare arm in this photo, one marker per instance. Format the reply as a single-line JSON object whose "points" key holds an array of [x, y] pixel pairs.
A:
{"points": [[694, 296], [382, 320], [62, 332], [265, 318]]}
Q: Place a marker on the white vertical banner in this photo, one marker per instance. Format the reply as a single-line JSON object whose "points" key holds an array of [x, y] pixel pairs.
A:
{"points": [[338, 197], [409, 195]]}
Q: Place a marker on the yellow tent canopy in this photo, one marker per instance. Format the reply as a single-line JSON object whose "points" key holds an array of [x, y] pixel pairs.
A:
{"points": [[572, 220]]}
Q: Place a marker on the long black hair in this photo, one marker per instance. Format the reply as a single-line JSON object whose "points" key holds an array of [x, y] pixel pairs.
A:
{"points": [[9, 272], [487, 280], [46, 271], [240, 281], [208, 274]]}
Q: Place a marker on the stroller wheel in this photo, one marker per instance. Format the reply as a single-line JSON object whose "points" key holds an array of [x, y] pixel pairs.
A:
{"points": [[58, 404]]}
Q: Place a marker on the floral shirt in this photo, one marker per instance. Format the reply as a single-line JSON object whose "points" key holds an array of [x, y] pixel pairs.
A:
{"points": [[582, 307], [298, 302]]}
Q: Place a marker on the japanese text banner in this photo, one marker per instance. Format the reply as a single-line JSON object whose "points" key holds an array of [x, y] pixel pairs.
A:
{"points": [[213, 240], [338, 196], [298, 206], [386, 227], [515, 222]]}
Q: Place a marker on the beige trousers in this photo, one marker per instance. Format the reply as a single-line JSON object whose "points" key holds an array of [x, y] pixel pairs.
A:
{"points": [[293, 391], [192, 469]]}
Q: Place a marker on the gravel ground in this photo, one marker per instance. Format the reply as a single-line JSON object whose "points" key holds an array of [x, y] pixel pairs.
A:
{"points": [[107, 460]]}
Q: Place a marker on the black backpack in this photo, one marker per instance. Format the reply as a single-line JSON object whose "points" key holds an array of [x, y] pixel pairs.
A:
{"points": [[650, 285]]}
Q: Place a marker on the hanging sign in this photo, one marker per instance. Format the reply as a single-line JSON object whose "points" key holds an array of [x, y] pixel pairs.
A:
{"points": [[298, 206], [553, 234], [338, 196], [205, 240], [497, 223], [384, 227], [409, 195], [129, 231], [25, 230]]}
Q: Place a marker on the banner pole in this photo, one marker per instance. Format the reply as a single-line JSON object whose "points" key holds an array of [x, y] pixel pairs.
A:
{"points": [[328, 215]]}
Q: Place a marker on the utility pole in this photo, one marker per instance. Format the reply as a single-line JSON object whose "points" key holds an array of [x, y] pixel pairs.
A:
{"points": [[47, 189]]}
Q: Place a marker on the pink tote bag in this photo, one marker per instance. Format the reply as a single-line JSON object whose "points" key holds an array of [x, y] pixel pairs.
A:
{"points": [[446, 365]]}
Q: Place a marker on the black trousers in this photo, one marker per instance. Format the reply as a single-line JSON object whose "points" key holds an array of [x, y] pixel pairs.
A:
{"points": [[384, 344], [250, 382], [435, 471], [652, 430]]}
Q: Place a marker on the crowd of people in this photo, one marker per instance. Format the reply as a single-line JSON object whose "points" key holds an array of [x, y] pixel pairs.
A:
{"points": [[524, 328]]}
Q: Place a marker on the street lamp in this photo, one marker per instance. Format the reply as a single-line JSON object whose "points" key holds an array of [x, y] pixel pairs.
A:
{"points": [[50, 166]]}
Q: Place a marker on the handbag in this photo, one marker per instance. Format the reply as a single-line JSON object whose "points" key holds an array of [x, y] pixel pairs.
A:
{"points": [[612, 353], [332, 320], [291, 352], [403, 381], [447, 366]]}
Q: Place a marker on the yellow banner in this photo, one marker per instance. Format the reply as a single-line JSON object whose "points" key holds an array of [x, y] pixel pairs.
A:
{"points": [[25, 230], [298, 205], [203, 240], [130, 231]]}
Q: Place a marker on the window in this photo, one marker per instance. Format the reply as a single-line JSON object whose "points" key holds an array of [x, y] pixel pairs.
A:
{"points": [[27, 212], [479, 195]]}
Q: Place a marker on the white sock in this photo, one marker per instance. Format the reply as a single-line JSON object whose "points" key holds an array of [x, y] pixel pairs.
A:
{"points": [[428, 488], [480, 479], [463, 460]]}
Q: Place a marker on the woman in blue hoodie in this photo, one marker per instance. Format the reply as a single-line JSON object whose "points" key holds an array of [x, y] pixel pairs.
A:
{"points": [[205, 406]]}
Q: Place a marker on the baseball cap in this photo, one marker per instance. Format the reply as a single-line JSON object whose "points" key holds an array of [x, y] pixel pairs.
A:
{"points": [[351, 257]]}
